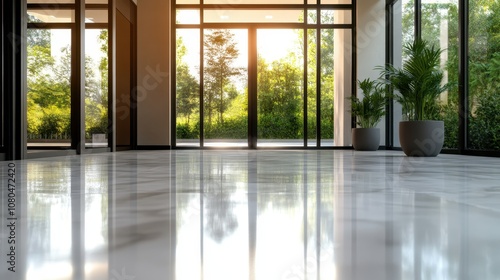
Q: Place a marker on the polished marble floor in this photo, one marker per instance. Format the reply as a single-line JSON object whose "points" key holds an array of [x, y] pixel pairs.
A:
{"points": [[257, 215]]}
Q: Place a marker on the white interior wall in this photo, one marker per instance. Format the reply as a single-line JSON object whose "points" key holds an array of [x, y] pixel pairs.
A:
{"points": [[342, 87]]}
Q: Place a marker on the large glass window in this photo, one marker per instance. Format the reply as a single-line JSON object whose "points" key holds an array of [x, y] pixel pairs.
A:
{"points": [[312, 87], [440, 29], [96, 88], [279, 88], [51, 15], [484, 75], [188, 87], [50, 65], [325, 96], [404, 32], [439, 25], [225, 92], [271, 82], [49, 87]]}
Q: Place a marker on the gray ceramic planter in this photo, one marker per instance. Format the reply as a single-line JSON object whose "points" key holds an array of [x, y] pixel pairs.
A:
{"points": [[366, 139], [421, 138]]}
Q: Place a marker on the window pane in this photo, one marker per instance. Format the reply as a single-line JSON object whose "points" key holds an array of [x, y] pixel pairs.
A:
{"points": [[188, 17], [312, 63], [188, 2], [484, 75], [225, 96], [51, 1], [330, 74], [254, 16], [246, 2], [188, 87], [96, 16], [312, 16], [56, 16], [96, 87], [440, 28], [49, 87], [280, 94], [336, 17], [336, 1], [404, 14]]}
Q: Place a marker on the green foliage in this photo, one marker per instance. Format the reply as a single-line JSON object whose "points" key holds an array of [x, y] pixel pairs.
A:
{"points": [[280, 93], [418, 82], [484, 73], [49, 89], [37, 37], [96, 122], [188, 90], [187, 87], [371, 108], [54, 123], [220, 53], [280, 102], [484, 66], [232, 128], [280, 126], [188, 131], [449, 114], [484, 131]]}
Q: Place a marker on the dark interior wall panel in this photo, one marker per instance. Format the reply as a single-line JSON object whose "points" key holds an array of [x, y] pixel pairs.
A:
{"points": [[123, 77]]}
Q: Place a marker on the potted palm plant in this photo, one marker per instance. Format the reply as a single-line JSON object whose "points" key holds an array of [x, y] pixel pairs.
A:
{"points": [[368, 113], [419, 84]]}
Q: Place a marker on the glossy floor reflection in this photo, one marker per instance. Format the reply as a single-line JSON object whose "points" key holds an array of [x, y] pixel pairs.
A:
{"points": [[257, 215]]}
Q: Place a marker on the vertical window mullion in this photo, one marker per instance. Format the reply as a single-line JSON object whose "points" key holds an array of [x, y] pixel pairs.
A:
{"points": [[418, 19], [305, 88], [202, 88], [463, 76], [389, 59]]}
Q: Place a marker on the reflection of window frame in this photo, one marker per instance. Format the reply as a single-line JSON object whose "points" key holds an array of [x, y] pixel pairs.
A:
{"points": [[252, 103]]}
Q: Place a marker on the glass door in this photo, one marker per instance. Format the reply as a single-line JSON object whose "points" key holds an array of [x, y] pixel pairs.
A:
{"points": [[217, 114], [261, 76], [280, 83], [49, 88], [225, 87], [96, 88]]}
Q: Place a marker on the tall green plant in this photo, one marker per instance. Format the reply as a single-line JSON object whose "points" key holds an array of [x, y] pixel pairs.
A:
{"points": [[371, 108], [419, 81]]}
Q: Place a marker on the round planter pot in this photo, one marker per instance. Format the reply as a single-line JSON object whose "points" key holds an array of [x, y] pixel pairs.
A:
{"points": [[366, 139], [421, 138]]}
